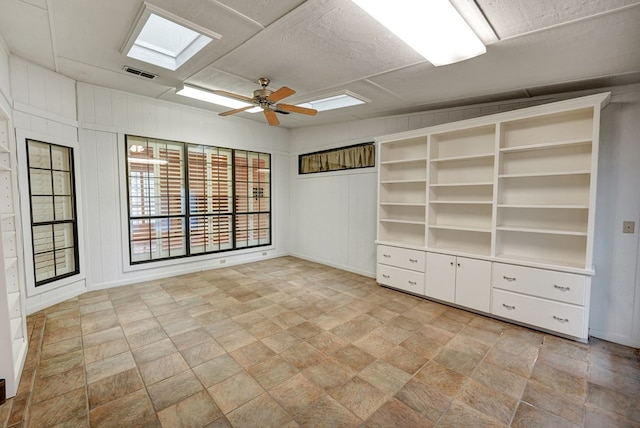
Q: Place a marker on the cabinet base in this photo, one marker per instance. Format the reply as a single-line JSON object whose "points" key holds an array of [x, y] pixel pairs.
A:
{"points": [[584, 340]]}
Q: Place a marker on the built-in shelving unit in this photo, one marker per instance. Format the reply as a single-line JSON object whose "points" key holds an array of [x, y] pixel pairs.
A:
{"points": [[545, 188], [403, 197], [461, 189], [516, 188], [13, 329]]}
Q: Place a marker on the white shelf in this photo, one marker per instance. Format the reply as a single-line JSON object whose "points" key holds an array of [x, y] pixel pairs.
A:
{"points": [[467, 157], [404, 204], [16, 327], [396, 162], [544, 146], [463, 202], [545, 174], [402, 181], [533, 206], [541, 230], [485, 183], [13, 298], [19, 349], [461, 228], [389, 220], [9, 262]]}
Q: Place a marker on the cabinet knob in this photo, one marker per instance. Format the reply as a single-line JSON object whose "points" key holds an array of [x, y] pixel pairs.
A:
{"points": [[451, 263], [458, 264], [509, 307], [562, 320], [509, 278], [561, 288]]}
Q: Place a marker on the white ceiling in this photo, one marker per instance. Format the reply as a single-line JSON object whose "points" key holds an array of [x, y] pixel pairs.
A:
{"points": [[321, 47]]}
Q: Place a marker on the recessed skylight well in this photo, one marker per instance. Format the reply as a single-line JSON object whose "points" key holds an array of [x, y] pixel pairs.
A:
{"points": [[165, 40], [344, 99]]}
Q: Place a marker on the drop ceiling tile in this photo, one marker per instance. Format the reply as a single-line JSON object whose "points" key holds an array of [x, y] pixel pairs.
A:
{"points": [[320, 44], [511, 18], [264, 12], [96, 36], [581, 50]]}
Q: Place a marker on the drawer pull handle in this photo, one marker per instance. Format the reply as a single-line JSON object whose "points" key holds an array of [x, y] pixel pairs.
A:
{"points": [[412, 282], [509, 278], [386, 256], [509, 307], [560, 319], [413, 260], [561, 288], [384, 275]]}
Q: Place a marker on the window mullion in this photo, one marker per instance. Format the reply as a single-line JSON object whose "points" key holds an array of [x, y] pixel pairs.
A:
{"points": [[187, 201]]}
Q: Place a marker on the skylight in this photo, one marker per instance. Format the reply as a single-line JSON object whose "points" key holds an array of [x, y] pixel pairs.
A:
{"points": [[345, 99], [165, 43]]}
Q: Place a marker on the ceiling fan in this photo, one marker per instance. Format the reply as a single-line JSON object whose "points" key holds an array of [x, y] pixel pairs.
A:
{"points": [[268, 101]]}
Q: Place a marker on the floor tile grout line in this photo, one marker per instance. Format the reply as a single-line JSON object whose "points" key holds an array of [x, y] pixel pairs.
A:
{"points": [[355, 297]]}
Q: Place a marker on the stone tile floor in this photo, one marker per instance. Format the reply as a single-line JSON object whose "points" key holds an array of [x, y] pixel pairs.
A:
{"points": [[287, 343]]}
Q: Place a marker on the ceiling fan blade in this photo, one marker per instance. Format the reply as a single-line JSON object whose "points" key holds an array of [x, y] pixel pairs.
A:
{"points": [[281, 93], [232, 95], [296, 109], [238, 110], [271, 117]]}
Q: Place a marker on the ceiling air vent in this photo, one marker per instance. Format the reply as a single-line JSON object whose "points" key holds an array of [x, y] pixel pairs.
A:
{"points": [[139, 73]]}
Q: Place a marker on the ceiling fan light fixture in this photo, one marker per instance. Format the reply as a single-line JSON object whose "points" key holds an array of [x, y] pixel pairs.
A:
{"points": [[433, 28], [210, 97]]}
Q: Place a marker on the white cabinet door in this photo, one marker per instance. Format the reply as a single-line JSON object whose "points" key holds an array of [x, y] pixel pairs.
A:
{"points": [[473, 284], [441, 277]]}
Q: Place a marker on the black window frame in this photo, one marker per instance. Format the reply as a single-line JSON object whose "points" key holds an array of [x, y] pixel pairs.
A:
{"points": [[187, 204], [73, 222]]}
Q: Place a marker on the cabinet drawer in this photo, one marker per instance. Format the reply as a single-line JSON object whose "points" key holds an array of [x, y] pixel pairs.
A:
{"points": [[564, 287], [555, 316], [401, 257], [401, 278]]}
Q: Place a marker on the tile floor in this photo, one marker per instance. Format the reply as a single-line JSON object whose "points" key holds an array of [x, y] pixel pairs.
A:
{"points": [[287, 343]]}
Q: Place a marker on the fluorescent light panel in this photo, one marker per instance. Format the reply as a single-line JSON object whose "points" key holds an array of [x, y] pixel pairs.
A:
{"points": [[166, 44], [333, 102], [433, 28], [210, 97]]}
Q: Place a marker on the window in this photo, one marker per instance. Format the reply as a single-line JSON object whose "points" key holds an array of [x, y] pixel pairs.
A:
{"points": [[186, 199], [252, 198], [351, 157], [53, 211]]}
